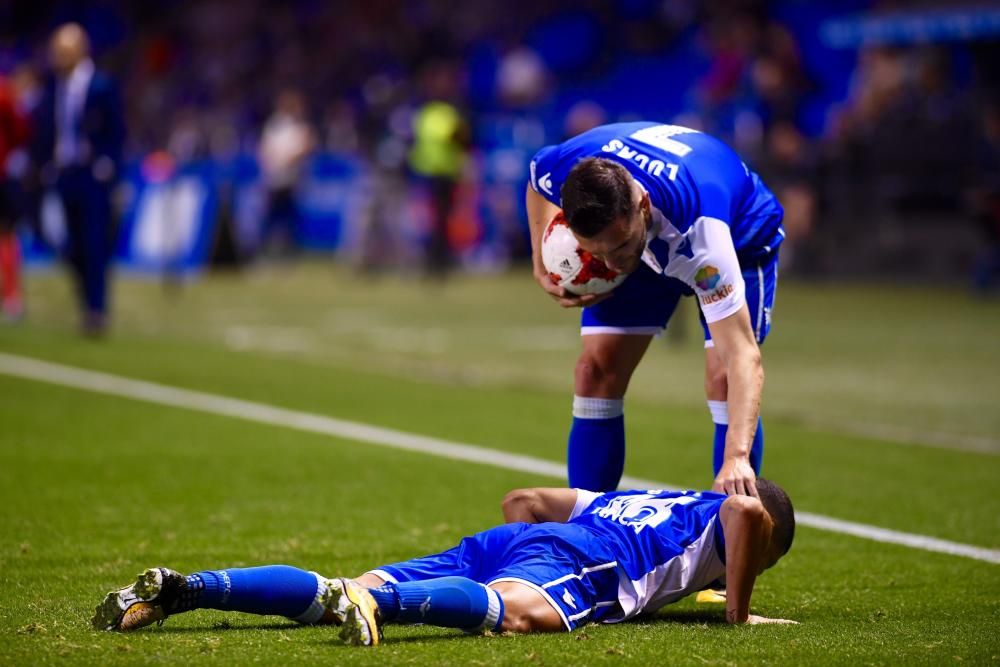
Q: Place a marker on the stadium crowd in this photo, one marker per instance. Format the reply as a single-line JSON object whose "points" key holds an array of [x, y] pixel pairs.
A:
{"points": [[830, 128]]}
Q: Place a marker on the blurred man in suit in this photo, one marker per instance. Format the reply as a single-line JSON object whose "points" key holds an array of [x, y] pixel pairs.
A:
{"points": [[78, 147]]}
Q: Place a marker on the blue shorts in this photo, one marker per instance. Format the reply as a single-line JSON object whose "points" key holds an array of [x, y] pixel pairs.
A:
{"points": [[573, 570], [644, 303]]}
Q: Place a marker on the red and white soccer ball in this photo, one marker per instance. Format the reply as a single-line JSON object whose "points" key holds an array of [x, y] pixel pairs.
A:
{"points": [[572, 267]]}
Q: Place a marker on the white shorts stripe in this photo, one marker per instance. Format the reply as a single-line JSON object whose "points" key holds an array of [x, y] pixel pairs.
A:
{"points": [[760, 301], [775, 293], [382, 574], [627, 331], [583, 572], [576, 617]]}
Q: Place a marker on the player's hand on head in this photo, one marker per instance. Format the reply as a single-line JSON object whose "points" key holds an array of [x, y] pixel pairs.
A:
{"points": [[753, 619], [736, 478]]}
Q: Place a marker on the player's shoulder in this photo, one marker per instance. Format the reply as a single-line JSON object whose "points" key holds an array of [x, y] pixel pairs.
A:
{"points": [[551, 164], [676, 515], [592, 142], [665, 497]]}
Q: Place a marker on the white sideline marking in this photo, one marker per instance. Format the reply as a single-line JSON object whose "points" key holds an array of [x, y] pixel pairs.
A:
{"points": [[78, 378], [906, 436]]}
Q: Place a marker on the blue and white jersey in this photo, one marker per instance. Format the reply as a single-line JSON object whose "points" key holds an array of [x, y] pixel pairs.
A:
{"points": [[710, 212], [619, 554], [667, 544]]}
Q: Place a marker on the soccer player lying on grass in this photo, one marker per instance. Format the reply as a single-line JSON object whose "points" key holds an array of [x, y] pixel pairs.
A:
{"points": [[565, 557]]}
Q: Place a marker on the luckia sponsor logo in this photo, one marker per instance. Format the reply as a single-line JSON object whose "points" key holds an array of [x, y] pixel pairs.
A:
{"points": [[707, 278]]}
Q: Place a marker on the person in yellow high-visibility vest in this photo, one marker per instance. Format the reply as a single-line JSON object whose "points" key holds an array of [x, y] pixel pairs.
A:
{"points": [[441, 138]]}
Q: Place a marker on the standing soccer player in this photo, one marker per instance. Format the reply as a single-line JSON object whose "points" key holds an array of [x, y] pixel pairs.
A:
{"points": [[681, 214]]}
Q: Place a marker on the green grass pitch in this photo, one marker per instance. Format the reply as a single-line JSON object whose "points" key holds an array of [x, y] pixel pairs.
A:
{"points": [[880, 407]]}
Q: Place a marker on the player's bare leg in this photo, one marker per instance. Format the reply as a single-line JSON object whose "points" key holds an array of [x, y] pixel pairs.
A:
{"points": [[369, 580], [597, 439], [606, 363], [526, 610], [716, 385]]}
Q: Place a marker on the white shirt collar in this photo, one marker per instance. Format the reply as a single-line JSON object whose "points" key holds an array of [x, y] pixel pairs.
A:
{"points": [[657, 222], [80, 77]]}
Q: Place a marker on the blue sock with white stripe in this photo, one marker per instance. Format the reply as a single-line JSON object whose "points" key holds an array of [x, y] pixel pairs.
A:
{"points": [[596, 451], [279, 590], [720, 415], [450, 602]]}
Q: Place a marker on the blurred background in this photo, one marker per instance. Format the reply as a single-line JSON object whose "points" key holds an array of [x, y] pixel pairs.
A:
{"points": [[317, 206], [395, 136]]}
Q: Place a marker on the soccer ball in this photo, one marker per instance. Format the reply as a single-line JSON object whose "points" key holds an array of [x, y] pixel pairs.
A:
{"points": [[572, 267]]}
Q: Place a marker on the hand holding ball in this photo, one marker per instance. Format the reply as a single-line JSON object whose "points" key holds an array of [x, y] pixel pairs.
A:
{"points": [[572, 267]]}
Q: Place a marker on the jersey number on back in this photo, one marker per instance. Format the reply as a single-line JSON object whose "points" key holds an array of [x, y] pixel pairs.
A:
{"points": [[640, 511], [658, 136]]}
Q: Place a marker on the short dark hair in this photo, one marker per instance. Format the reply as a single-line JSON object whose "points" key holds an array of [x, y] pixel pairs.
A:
{"points": [[596, 192], [779, 506]]}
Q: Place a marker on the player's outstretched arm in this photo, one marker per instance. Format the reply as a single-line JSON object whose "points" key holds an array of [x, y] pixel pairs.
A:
{"points": [[538, 505], [748, 531], [734, 341], [540, 213]]}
